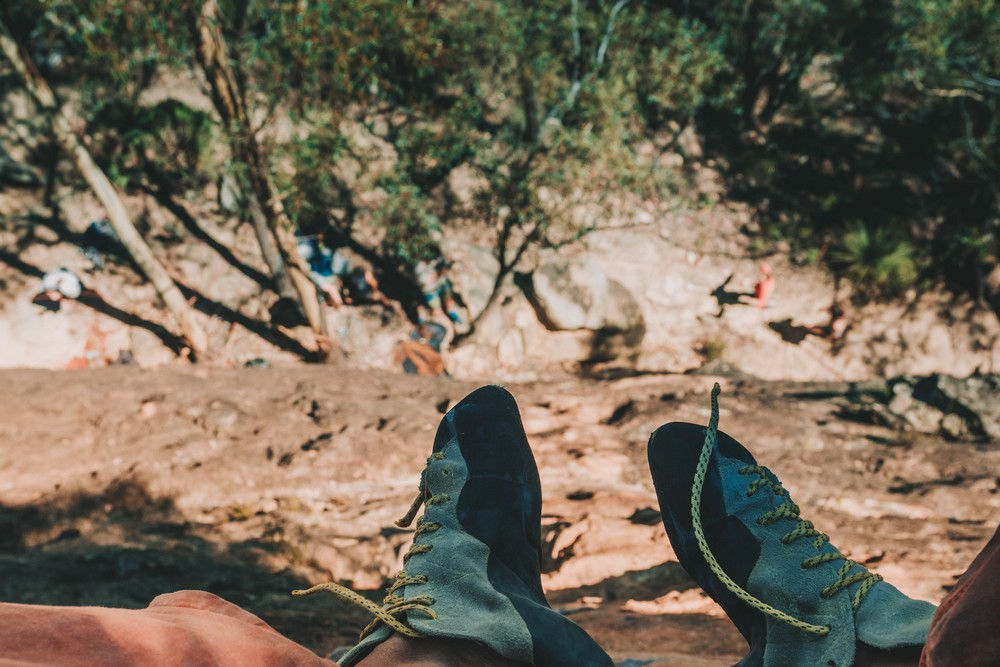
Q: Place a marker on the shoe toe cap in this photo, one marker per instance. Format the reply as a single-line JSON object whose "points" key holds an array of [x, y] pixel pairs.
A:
{"points": [[487, 427]]}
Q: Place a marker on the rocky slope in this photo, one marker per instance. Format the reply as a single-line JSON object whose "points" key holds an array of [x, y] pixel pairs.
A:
{"points": [[665, 290], [659, 297]]}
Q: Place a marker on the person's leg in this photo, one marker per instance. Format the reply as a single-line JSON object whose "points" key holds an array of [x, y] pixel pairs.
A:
{"points": [[794, 597], [190, 628], [472, 577], [377, 296], [964, 630], [432, 302], [331, 290]]}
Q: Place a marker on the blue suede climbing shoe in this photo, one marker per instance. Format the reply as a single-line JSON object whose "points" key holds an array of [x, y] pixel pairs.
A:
{"points": [[473, 571], [795, 598]]}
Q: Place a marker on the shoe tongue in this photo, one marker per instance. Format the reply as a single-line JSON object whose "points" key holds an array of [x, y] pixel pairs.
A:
{"points": [[888, 619]]}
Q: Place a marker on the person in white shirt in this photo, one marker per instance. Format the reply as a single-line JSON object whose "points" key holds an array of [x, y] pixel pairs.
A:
{"points": [[61, 284]]}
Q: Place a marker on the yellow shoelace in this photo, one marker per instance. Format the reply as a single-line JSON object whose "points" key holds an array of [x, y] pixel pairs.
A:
{"points": [[788, 510], [394, 605]]}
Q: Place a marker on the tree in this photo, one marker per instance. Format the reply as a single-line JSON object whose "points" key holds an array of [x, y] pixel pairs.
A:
{"points": [[275, 228], [532, 102], [550, 116], [131, 239]]}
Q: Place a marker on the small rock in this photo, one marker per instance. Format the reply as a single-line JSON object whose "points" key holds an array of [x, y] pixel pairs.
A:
{"points": [[974, 399], [915, 414], [268, 505], [954, 427]]}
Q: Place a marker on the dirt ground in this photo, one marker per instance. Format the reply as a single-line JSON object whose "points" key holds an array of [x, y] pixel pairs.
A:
{"points": [[119, 484]]}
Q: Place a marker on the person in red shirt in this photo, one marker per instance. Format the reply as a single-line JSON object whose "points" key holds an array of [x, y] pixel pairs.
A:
{"points": [[765, 285]]}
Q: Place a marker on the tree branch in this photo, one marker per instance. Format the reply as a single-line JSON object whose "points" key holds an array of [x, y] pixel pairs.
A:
{"points": [[603, 49], [576, 85], [945, 92], [577, 48]]}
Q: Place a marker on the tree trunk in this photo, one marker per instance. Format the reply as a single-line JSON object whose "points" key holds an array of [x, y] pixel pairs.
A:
{"points": [[269, 250], [211, 53], [106, 193]]}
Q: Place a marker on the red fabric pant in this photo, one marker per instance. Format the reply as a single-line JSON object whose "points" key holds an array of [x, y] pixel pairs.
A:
{"points": [[187, 628], [965, 631]]}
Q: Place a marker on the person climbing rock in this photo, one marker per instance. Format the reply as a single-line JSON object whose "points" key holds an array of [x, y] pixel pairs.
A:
{"points": [[438, 292], [359, 287], [765, 285], [327, 268], [420, 352]]}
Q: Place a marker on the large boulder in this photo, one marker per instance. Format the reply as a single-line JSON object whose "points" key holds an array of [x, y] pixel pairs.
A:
{"points": [[958, 408], [993, 289], [623, 329], [473, 274], [622, 313], [575, 294], [570, 294], [912, 412], [577, 318]]}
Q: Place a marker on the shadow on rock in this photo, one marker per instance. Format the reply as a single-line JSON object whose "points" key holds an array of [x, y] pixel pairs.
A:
{"points": [[122, 547], [645, 584], [657, 611]]}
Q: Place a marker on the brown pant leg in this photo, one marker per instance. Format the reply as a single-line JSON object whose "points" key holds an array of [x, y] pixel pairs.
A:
{"points": [[183, 629], [966, 628]]}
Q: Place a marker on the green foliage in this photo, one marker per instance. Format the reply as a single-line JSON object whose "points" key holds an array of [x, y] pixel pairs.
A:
{"points": [[314, 190], [865, 111], [554, 112], [168, 141], [531, 100], [110, 51], [104, 46], [409, 227], [712, 349], [768, 46], [876, 259], [338, 52], [670, 67]]}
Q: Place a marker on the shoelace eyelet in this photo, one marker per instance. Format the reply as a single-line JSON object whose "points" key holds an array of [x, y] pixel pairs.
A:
{"points": [[394, 605], [786, 510]]}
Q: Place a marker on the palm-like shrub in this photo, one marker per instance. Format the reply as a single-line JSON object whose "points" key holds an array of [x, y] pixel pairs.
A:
{"points": [[879, 259]]}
